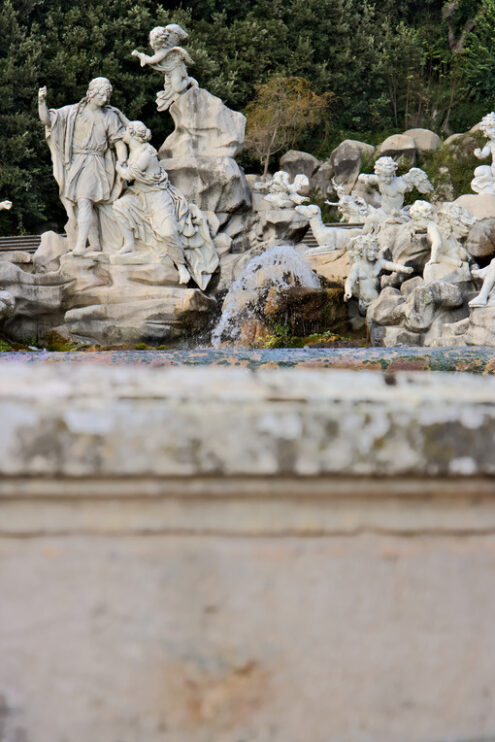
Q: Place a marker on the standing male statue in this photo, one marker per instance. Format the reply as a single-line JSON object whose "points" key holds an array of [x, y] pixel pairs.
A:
{"points": [[85, 140]]}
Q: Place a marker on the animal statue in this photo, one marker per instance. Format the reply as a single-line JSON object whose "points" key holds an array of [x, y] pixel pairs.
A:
{"points": [[328, 238], [352, 207]]}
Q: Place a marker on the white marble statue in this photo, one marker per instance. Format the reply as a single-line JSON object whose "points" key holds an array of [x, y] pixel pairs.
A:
{"points": [[363, 280], [171, 59], [486, 295], [152, 213], [393, 188], [353, 208], [281, 193], [5, 205], [445, 226], [328, 238], [85, 141], [484, 175]]}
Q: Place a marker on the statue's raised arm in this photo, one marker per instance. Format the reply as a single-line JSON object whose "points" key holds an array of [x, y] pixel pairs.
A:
{"points": [[43, 111]]}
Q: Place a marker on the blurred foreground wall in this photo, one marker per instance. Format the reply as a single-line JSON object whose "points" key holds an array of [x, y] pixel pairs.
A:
{"points": [[212, 555]]}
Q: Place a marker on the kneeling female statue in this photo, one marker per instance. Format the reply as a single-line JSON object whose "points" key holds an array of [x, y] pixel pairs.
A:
{"points": [[153, 213]]}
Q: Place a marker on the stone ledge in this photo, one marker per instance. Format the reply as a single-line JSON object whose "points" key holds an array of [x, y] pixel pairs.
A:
{"points": [[102, 422]]}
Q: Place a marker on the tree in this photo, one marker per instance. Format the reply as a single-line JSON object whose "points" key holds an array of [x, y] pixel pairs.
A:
{"points": [[282, 108]]}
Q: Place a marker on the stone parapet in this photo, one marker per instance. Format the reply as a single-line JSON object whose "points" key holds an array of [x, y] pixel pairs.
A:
{"points": [[196, 554]]}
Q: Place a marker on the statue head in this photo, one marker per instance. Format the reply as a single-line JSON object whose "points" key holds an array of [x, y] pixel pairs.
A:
{"points": [[365, 246], [167, 36], [422, 212], [487, 125], [99, 90], [454, 219], [137, 130], [385, 168]]}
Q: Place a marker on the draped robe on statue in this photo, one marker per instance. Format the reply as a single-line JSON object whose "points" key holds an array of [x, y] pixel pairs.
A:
{"points": [[163, 221], [83, 157]]}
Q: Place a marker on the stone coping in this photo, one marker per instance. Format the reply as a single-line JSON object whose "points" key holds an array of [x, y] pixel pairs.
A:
{"points": [[479, 360], [103, 423]]}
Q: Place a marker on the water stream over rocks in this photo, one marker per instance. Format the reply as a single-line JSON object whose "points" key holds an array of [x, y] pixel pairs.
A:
{"points": [[280, 267]]}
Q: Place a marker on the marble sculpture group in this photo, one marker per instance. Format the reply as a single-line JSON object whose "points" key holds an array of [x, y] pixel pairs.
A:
{"points": [[153, 237]]}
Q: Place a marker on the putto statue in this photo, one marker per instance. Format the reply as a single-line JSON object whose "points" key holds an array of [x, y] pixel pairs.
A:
{"points": [[281, 193], [85, 141], [486, 295], [393, 188], [153, 212], [171, 59], [363, 280], [445, 226], [484, 175]]}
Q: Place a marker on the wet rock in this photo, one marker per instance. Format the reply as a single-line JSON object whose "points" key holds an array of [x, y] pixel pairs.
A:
{"points": [[304, 311], [333, 266]]}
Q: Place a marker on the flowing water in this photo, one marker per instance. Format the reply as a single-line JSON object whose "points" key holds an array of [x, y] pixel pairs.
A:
{"points": [[280, 267]]}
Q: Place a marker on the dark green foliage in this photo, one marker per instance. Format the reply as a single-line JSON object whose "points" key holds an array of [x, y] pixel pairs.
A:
{"points": [[454, 163], [389, 65]]}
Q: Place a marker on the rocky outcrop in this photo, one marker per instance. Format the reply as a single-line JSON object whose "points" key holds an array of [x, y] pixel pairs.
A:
{"points": [[416, 314], [204, 127], [398, 146], [480, 242], [333, 266], [175, 312], [424, 140], [199, 154], [346, 162], [296, 162]]}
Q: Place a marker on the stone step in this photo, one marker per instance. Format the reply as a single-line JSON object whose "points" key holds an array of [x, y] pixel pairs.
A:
{"points": [[26, 242]]}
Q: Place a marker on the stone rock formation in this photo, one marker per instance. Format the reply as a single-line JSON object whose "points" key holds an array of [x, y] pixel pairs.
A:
{"points": [[424, 139], [416, 314], [296, 162], [398, 146], [199, 154], [346, 161]]}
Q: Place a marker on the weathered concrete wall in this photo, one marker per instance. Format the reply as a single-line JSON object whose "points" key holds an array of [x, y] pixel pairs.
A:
{"points": [[227, 556]]}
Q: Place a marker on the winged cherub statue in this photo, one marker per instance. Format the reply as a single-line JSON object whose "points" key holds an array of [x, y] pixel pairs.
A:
{"points": [[393, 188], [171, 59]]}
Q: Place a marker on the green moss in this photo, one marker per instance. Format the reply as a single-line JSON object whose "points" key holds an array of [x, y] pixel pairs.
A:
{"points": [[58, 343], [5, 346], [453, 164]]}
